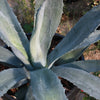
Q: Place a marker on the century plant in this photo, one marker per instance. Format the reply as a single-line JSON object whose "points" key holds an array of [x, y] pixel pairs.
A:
{"points": [[31, 61]]}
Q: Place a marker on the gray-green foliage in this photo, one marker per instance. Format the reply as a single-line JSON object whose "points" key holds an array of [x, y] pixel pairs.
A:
{"points": [[30, 60]]}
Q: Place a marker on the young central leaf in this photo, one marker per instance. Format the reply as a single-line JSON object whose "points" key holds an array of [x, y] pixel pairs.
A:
{"points": [[47, 19]]}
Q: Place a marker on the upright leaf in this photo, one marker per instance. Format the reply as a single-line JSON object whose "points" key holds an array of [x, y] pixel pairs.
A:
{"points": [[45, 85], [6, 57], [82, 79], [47, 19], [11, 32], [79, 35], [38, 4], [8, 78]]}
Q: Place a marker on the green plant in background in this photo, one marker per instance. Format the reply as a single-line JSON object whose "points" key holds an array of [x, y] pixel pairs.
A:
{"points": [[24, 9], [87, 97], [98, 45], [28, 27], [31, 61]]}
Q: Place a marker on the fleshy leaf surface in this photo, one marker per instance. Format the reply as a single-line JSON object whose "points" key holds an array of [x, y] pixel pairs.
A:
{"points": [[69, 57], [9, 77], [29, 94], [77, 52], [11, 32], [47, 19], [38, 4], [9, 59], [45, 85], [81, 35], [82, 79], [88, 65]]}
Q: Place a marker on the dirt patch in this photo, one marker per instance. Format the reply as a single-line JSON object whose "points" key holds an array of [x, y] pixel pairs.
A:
{"points": [[92, 53]]}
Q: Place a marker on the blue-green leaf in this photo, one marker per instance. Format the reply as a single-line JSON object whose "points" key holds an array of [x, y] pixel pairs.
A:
{"points": [[77, 52], [70, 56], [8, 78], [47, 19], [11, 32], [29, 94], [88, 65], [38, 4], [7, 58], [82, 79], [45, 85], [82, 35]]}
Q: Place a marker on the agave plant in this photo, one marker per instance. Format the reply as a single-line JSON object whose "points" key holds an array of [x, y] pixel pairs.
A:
{"points": [[31, 61]]}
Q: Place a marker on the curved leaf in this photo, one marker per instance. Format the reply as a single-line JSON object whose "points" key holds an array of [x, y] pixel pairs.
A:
{"points": [[82, 79], [47, 19], [8, 12], [70, 56], [6, 57], [11, 32], [82, 35], [45, 85], [8, 78], [88, 65], [77, 52]]}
